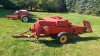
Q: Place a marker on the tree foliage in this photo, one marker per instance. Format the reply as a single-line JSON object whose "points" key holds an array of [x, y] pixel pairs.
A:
{"points": [[53, 5], [84, 6], [79, 6], [45, 5]]}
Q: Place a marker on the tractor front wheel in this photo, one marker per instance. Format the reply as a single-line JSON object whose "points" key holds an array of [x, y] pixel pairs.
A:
{"points": [[62, 38], [25, 19]]}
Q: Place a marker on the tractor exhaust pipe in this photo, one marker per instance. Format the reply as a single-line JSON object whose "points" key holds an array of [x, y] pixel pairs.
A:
{"points": [[88, 26]]}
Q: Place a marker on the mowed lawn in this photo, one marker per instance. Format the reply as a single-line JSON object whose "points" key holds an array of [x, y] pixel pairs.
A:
{"points": [[88, 44]]}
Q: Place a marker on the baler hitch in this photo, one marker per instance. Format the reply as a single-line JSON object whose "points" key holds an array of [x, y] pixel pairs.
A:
{"points": [[20, 35]]}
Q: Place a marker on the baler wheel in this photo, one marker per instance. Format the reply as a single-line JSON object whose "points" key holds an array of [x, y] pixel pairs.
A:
{"points": [[62, 37]]}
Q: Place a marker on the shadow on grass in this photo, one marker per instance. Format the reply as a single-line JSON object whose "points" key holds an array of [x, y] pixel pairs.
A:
{"points": [[34, 17], [78, 39], [50, 43], [4, 12], [53, 43]]}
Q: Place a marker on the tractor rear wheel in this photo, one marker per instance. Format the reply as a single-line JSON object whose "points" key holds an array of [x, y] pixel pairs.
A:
{"points": [[62, 38], [25, 19]]}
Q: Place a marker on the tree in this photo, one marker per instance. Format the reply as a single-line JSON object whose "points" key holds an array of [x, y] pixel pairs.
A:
{"points": [[83, 6], [32, 4], [53, 5]]}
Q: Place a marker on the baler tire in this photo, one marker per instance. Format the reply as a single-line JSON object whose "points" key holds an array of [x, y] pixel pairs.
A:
{"points": [[62, 38], [25, 19]]}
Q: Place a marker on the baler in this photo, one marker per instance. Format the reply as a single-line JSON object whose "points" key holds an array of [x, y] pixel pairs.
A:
{"points": [[57, 28]]}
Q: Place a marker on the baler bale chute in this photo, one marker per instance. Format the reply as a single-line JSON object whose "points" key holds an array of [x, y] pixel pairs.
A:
{"points": [[57, 28], [23, 15]]}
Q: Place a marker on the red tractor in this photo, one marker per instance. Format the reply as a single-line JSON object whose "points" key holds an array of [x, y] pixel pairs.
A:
{"points": [[23, 15], [57, 28]]}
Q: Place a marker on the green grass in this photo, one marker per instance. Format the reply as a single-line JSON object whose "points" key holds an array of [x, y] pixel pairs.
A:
{"points": [[88, 44]]}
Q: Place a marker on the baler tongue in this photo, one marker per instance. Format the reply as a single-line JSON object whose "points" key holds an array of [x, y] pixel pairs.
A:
{"points": [[20, 35], [87, 24]]}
